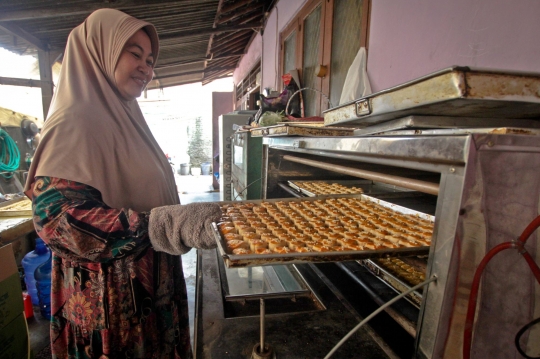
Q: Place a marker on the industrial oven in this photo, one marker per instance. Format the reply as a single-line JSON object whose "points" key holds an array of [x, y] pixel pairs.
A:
{"points": [[478, 176]]}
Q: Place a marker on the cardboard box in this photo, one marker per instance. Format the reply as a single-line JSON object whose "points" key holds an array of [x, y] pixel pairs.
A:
{"points": [[13, 329]]}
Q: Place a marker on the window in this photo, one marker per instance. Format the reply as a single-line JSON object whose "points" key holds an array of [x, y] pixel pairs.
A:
{"points": [[327, 33], [247, 91]]}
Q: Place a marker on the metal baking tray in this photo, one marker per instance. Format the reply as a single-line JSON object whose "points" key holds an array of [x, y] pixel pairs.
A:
{"points": [[347, 183], [455, 91], [393, 281], [300, 130], [247, 260], [464, 131], [418, 124]]}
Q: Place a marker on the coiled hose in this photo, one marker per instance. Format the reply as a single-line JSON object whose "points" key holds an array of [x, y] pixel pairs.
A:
{"points": [[9, 155]]}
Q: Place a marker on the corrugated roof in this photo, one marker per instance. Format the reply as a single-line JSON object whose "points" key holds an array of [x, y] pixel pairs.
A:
{"points": [[200, 40]]}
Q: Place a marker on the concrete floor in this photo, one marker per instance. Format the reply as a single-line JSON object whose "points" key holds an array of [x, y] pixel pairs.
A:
{"points": [[191, 189]]}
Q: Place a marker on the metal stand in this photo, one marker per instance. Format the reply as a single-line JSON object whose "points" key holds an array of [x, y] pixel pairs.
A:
{"points": [[262, 350]]}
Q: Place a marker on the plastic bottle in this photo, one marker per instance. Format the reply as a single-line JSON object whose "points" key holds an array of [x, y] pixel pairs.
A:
{"points": [[30, 262], [43, 285]]}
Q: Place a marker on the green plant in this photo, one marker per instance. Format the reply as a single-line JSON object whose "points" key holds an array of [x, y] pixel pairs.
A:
{"points": [[199, 149]]}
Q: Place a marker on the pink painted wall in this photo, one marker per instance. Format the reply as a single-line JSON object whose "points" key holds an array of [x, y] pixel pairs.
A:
{"points": [[412, 38], [266, 47], [249, 60]]}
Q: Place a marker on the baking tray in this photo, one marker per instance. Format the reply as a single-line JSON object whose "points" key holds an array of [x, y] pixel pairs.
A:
{"points": [[420, 123], [300, 130], [346, 183], [18, 207], [464, 131], [247, 260], [455, 91], [393, 281]]}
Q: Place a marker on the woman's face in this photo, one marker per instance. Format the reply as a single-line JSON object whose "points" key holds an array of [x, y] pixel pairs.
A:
{"points": [[135, 66]]}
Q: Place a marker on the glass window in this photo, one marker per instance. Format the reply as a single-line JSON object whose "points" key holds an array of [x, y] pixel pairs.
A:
{"points": [[347, 25], [289, 53], [312, 26]]}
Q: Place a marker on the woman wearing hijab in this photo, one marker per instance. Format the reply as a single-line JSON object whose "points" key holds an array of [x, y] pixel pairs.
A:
{"points": [[105, 201]]}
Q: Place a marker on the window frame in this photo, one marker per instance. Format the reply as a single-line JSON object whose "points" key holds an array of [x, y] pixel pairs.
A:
{"points": [[325, 40]]}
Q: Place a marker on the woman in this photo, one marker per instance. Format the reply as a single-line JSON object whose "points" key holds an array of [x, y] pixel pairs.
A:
{"points": [[105, 201]]}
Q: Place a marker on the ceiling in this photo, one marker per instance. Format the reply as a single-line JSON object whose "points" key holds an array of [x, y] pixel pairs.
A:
{"points": [[200, 40]]}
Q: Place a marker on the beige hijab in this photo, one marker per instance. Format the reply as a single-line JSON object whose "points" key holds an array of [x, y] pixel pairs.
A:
{"points": [[91, 134]]}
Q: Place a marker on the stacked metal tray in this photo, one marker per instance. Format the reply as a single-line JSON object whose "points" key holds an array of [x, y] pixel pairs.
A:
{"points": [[456, 91], [243, 260], [292, 129]]}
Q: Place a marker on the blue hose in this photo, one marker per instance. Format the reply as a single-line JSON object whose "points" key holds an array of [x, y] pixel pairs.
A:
{"points": [[9, 155]]}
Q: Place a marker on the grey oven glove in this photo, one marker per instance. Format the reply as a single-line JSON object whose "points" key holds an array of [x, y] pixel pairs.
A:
{"points": [[178, 228]]}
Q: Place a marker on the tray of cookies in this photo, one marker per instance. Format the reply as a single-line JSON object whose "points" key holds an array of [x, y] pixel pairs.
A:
{"points": [[399, 275], [328, 228], [317, 188]]}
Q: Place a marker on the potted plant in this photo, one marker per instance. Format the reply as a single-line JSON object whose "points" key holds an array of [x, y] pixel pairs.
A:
{"points": [[198, 148]]}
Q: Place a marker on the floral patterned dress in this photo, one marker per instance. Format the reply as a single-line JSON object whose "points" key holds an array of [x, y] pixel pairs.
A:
{"points": [[112, 295]]}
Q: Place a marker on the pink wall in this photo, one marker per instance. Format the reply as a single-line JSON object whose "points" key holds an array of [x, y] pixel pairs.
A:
{"points": [[268, 44], [412, 38], [249, 60]]}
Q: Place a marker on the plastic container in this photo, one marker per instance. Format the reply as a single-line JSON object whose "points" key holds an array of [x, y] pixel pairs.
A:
{"points": [[30, 262], [43, 285], [206, 168], [184, 169]]}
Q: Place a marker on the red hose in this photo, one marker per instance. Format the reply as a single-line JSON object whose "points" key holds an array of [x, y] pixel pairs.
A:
{"points": [[471, 310]]}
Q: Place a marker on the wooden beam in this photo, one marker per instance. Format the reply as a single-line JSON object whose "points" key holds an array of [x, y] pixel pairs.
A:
{"points": [[239, 13], [12, 81], [20, 33], [194, 61], [232, 7], [66, 10], [229, 68], [180, 34]]}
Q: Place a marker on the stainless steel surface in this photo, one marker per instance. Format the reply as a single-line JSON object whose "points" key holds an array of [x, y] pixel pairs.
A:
{"points": [[413, 184], [488, 193], [456, 91], [418, 152], [300, 130], [464, 131], [245, 260], [418, 124]]}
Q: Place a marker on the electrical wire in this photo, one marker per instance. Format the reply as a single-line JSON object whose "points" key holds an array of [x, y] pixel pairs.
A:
{"points": [[9, 155], [471, 310], [239, 193], [518, 337], [380, 309]]}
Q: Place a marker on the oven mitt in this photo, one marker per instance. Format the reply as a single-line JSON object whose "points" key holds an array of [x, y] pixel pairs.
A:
{"points": [[178, 228]]}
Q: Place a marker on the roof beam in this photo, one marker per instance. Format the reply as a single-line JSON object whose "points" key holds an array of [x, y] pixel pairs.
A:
{"points": [[180, 34], [239, 13], [194, 61], [232, 7], [63, 11], [20, 33]]}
